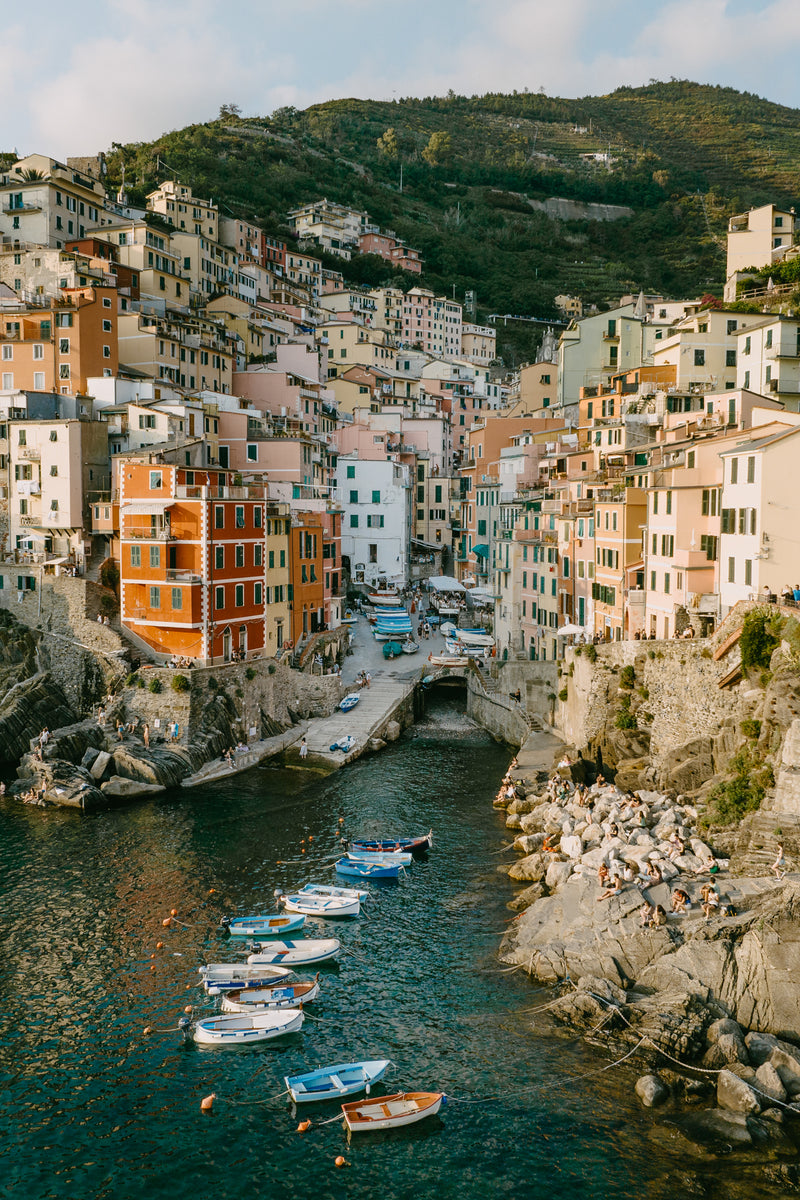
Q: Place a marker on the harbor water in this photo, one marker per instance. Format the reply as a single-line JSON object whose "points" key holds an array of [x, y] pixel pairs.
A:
{"points": [[92, 1108]]}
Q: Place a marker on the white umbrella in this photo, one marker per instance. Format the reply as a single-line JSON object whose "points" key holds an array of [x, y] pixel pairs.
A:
{"points": [[569, 630]]}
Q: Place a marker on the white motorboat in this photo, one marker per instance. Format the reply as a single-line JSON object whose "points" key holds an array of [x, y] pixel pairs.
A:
{"points": [[475, 637], [303, 952], [238, 1029], [328, 904]]}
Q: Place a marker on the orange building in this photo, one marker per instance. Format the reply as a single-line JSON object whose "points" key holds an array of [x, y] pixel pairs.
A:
{"points": [[192, 564], [58, 346], [307, 573]]}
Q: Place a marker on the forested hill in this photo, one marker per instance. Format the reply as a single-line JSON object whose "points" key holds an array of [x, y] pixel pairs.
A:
{"points": [[683, 157]]}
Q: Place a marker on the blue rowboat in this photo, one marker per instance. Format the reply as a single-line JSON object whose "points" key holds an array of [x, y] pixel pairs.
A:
{"points": [[329, 1083], [350, 701], [274, 926], [392, 845], [368, 870]]}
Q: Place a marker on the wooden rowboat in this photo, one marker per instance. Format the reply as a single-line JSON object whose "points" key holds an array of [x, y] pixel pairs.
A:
{"points": [[390, 1112], [391, 845], [290, 995], [332, 902], [303, 952], [229, 977]]}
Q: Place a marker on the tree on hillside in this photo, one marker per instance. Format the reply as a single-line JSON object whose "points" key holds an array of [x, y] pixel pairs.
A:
{"points": [[388, 144], [438, 149], [229, 110]]}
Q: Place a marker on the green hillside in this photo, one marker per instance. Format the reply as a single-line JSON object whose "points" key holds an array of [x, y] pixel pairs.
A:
{"points": [[683, 156]]}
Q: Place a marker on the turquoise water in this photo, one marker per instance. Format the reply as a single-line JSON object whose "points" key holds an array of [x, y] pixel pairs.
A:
{"points": [[89, 1107]]}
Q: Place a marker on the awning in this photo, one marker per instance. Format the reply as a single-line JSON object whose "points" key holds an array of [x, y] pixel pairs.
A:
{"points": [[444, 583], [482, 550], [146, 508]]}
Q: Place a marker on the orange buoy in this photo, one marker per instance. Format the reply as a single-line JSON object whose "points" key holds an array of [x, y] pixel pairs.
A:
{"points": [[188, 1007], [159, 945], [310, 838], [211, 891], [152, 955], [341, 1161], [341, 820], [147, 1029], [303, 850], [152, 968], [303, 1126], [167, 921], [207, 1103], [173, 912]]}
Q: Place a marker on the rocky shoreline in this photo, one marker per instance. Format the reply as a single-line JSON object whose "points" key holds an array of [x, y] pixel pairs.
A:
{"points": [[707, 998]]}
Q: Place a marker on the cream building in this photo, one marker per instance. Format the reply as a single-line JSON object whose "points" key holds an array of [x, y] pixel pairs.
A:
{"points": [[704, 349], [45, 203], [175, 202], [757, 238], [768, 359]]}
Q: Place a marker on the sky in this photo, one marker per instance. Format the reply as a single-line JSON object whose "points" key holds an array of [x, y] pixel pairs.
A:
{"points": [[85, 74]]}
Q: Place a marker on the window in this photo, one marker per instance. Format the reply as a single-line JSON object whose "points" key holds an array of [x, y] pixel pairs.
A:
{"points": [[708, 544], [690, 459], [258, 554], [353, 497], [155, 597], [655, 505], [730, 358], [271, 561], [734, 470], [699, 358], [731, 327], [219, 516], [748, 572], [239, 556], [252, 452], [238, 596], [106, 352], [136, 556], [219, 597], [155, 481], [257, 517], [240, 516], [219, 558], [746, 380], [731, 570], [177, 599], [258, 593], [354, 520], [63, 371], [746, 345], [376, 497], [106, 326], [155, 556], [751, 469], [667, 545], [669, 502], [351, 472], [8, 353]]}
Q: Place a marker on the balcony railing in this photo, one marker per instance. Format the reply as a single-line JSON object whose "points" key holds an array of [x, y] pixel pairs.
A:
{"points": [[175, 575], [160, 534]]}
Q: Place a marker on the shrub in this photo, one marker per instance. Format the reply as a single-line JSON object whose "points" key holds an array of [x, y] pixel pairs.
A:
{"points": [[627, 677], [239, 693], [578, 651], [625, 720], [563, 694], [213, 686], [644, 693], [744, 791], [131, 679], [757, 641], [250, 673], [140, 682], [651, 653], [625, 701], [751, 728], [155, 685], [591, 652], [109, 575], [706, 653], [271, 669], [571, 670], [180, 683]]}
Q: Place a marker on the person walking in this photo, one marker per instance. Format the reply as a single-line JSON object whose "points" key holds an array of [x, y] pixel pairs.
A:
{"points": [[303, 748]]}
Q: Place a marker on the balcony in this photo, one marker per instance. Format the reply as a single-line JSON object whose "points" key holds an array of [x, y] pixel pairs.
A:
{"points": [[21, 208], [782, 352], [175, 575], [30, 452], [161, 533]]}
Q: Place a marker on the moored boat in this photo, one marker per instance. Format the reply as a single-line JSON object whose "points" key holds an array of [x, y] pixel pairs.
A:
{"points": [[331, 1083], [303, 952], [262, 926], [368, 870], [387, 598], [392, 845], [344, 744], [237, 1029], [390, 1112], [410, 646], [228, 977], [349, 702], [331, 903], [340, 893], [448, 660], [475, 637], [402, 858], [287, 995]]}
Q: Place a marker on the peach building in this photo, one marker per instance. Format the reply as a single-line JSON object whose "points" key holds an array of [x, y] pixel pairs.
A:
{"points": [[57, 346]]}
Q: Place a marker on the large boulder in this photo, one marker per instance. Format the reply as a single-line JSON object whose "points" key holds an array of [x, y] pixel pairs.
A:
{"points": [[769, 1084], [651, 1090], [127, 789], [735, 1095], [532, 868], [557, 874]]}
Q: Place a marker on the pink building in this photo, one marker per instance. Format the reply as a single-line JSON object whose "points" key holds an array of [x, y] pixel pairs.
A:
{"points": [[387, 246], [433, 323]]}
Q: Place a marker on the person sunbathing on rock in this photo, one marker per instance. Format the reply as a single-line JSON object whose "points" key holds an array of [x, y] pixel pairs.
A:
{"points": [[645, 913], [613, 889], [658, 918], [680, 899]]}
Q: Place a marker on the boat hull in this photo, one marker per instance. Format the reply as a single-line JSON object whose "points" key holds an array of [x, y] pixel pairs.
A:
{"points": [[391, 845], [367, 870], [230, 977], [401, 858], [331, 1083], [323, 889], [296, 954], [391, 1112]]}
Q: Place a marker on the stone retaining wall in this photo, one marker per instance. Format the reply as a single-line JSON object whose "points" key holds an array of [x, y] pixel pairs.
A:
{"points": [[501, 717]]}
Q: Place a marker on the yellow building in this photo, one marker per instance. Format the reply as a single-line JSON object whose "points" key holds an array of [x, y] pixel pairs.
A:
{"points": [[352, 345], [279, 590], [147, 249], [186, 212]]}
